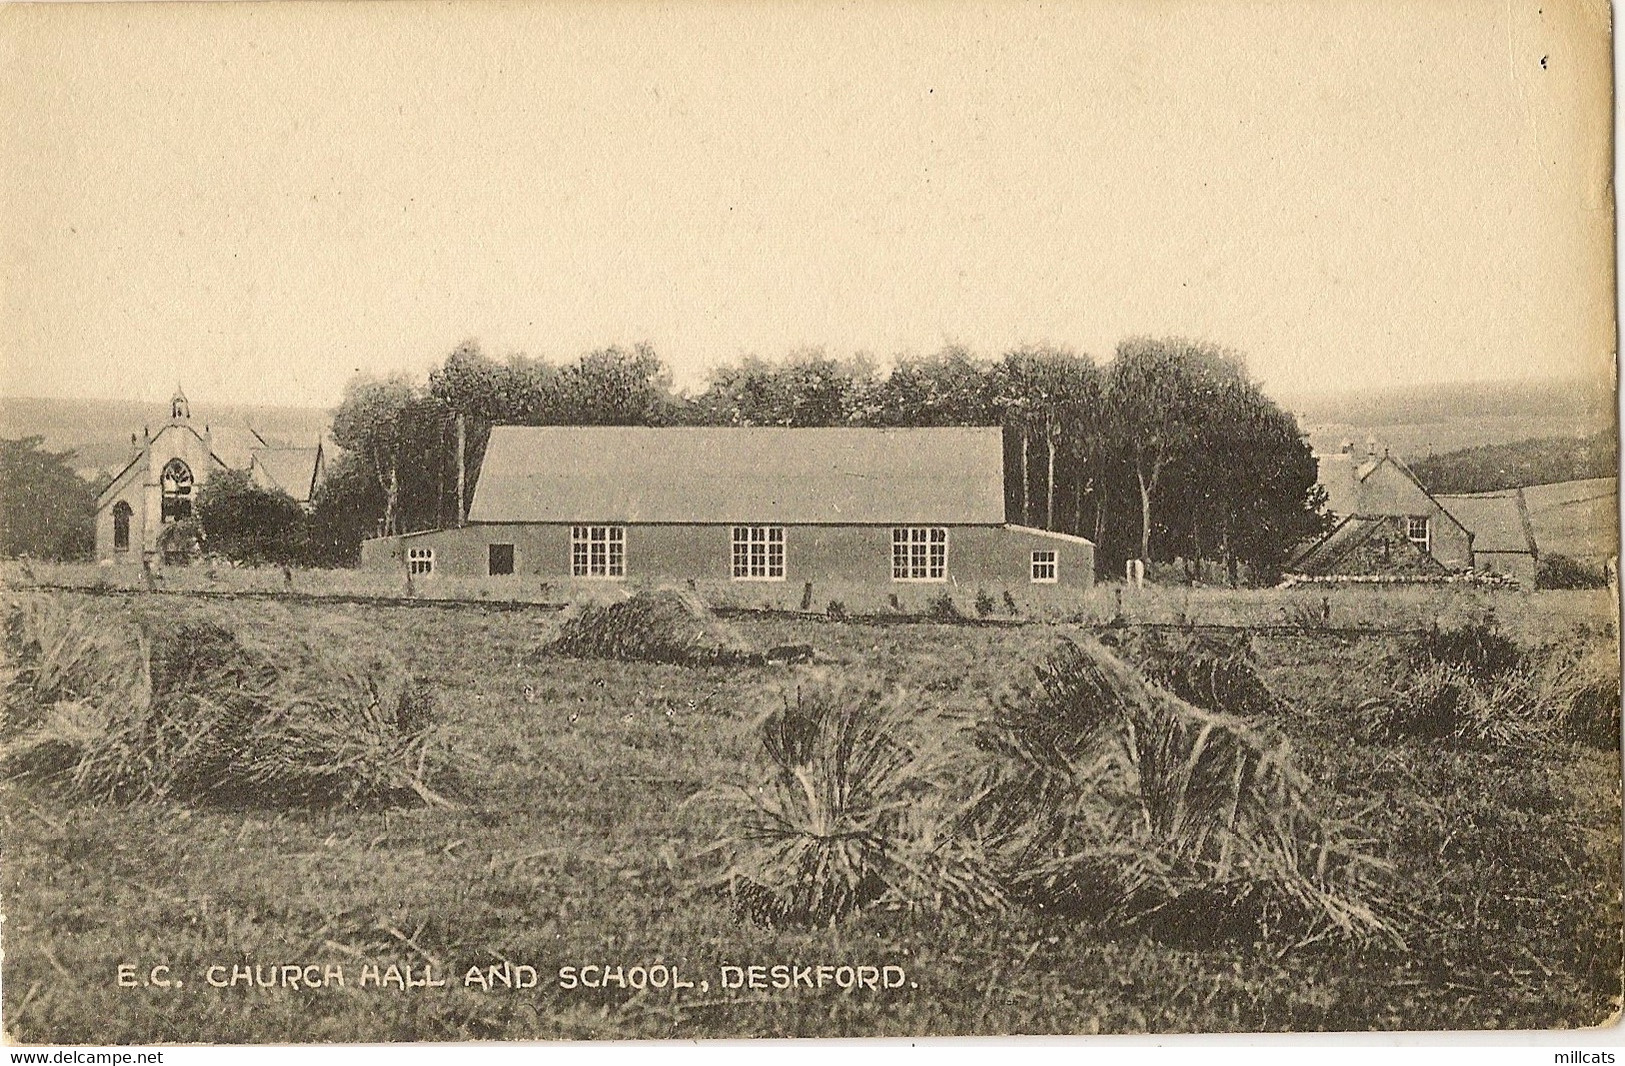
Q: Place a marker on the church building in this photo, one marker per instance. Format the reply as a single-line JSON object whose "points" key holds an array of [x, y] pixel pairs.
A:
{"points": [[159, 485]]}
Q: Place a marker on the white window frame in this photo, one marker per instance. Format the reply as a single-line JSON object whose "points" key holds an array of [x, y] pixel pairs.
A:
{"points": [[420, 562], [919, 554], [1052, 562], [757, 553], [1426, 539], [587, 561]]}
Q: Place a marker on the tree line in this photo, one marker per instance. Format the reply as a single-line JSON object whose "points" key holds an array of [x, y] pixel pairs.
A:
{"points": [[1167, 452]]}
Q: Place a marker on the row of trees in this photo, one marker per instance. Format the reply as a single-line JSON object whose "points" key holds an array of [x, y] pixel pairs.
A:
{"points": [[1168, 451]]}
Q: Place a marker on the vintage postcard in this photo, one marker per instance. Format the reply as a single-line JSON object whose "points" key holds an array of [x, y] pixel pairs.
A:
{"points": [[632, 521]]}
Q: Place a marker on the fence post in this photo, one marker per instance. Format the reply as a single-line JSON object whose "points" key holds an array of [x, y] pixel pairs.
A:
{"points": [[806, 596]]}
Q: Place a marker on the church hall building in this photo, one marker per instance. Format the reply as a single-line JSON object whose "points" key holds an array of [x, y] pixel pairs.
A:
{"points": [[741, 504], [159, 485]]}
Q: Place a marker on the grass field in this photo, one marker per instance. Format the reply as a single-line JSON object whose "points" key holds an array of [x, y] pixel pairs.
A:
{"points": [[575, 848]]}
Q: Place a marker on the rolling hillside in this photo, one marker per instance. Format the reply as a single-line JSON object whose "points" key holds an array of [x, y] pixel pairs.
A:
{"points": [[98, 431], [1416, 422], [1576, 518]]}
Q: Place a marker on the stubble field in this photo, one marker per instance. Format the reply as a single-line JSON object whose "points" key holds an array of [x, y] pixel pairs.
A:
{"points": [[574, 844]]}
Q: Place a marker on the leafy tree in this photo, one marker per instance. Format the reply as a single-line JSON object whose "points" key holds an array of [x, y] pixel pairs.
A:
{"points": [[244, 522], [807, 389], [46, 510], [617, 387], [345, 512], [948, 388], [1217, 469], [369, 422]]}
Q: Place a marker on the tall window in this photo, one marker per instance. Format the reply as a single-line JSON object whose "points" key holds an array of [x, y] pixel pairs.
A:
{"points": [[420, 561], [121, 526], [177, 488], [598, 551], [1046, 567], [919, 553], [1416, 528], [758, 553], [500, 560]]}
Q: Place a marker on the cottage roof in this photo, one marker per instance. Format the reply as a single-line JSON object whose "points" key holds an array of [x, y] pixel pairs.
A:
{"points": [[792, 476], [1499, 520]]}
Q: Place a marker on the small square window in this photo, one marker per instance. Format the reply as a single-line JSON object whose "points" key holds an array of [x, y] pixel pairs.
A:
{"points": [[1416, 528], [501, 559], [420, 560], [1046, 568]]}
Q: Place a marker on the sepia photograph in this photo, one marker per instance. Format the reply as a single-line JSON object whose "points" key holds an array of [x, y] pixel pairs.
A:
{"points": [[673, 521]]}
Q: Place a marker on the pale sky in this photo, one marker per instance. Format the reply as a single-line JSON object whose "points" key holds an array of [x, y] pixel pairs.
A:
{"points": [[258, 200]]}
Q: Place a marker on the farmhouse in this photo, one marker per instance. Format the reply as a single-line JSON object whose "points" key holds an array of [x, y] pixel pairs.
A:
{"points": [[746, 504], [1389, 525], [158, 486]]}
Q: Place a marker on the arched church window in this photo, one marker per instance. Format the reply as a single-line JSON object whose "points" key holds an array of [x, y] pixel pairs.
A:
{"points": [[121, 526], [177, 486]]}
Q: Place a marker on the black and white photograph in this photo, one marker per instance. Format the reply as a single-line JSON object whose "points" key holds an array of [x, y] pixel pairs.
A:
{"points": [[696, 521]]}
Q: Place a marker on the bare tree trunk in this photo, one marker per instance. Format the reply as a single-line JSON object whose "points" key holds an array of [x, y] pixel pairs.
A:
{"points": [[391, 519], [462, 469], [1026, 487], [1077, 505], [1145, 515], [1049, 501]]}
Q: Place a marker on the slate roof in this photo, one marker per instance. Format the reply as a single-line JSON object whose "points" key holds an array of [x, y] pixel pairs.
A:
{"points": [[293, 470], [1348, 535], [1340, 477], [713, 475], [1499, 520]]}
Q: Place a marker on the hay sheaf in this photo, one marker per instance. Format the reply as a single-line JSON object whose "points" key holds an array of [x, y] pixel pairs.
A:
{"points": [[1473, 686], [131, 704], [855, 809], [1112, 799], [663, 626], [1210, 670]]}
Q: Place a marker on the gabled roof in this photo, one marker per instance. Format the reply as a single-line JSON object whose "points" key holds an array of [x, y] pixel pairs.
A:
{"points": [[705, 475], [1499, 520], [233, 446], [1347, 535], [1327, 555], [293, 470], [1339, 475]]}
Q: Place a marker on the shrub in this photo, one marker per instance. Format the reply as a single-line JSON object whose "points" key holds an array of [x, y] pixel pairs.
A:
{"points": [[1566, 572], [173, 705], [942, 608], [664, 626], [835, 611], [850, 813], [245, 523], [985, 604], [1010, 603], [1114, 800]]}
